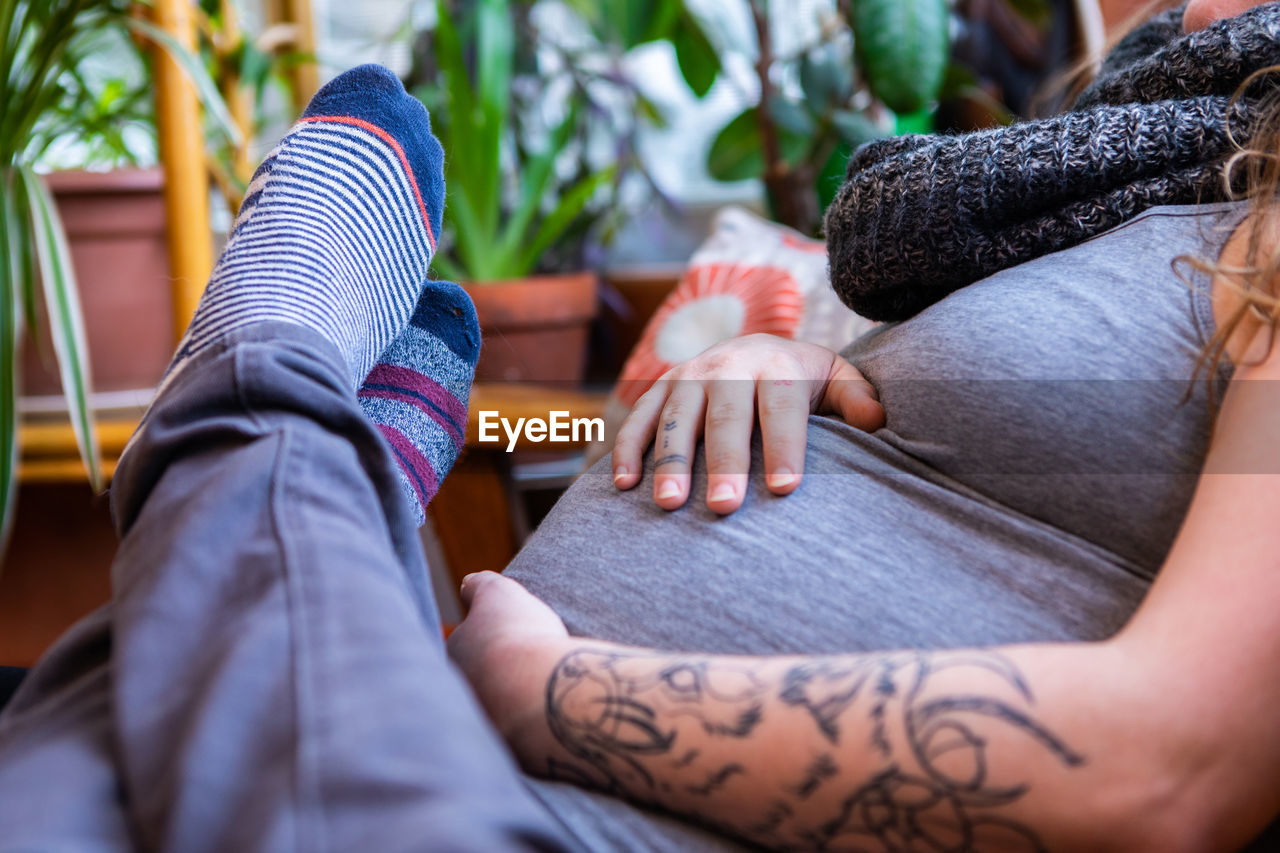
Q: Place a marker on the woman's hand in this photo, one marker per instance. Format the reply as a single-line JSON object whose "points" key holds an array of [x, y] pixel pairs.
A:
{"points": [[506, 648], [723, 388]]}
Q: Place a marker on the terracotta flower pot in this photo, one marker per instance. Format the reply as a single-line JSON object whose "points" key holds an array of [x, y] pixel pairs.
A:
{"points": [[115, 223], [535, 329]]}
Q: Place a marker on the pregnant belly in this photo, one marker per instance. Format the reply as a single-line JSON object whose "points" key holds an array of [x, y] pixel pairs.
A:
{"points": [[874, 550]]}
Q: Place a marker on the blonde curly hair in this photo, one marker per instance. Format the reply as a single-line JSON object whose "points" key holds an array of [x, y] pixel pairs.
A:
{"points": [[1251, 173]]}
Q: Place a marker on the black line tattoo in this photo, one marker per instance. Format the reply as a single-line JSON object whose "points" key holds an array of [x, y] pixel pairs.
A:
{"points": [[924, 779], [614, 721], [687, 759], [672, 459], [822, 769], [716, 780], [950, 752], [825, 692], [668, 426], [773, 819], [561, 771]]}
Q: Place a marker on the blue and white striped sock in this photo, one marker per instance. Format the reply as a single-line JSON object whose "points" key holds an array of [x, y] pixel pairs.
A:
{"points": [[339, 225], [417, 393]]}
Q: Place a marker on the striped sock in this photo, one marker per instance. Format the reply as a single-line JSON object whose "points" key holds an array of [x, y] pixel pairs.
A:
{"points": [[417, 393], [339, 225]]}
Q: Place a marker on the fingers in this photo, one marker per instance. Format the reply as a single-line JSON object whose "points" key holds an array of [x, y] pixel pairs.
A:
{"points": [[852, 398], [801, 378], [727, 442], [472, 583], [784, 426], [678, 429], [636, 434]]}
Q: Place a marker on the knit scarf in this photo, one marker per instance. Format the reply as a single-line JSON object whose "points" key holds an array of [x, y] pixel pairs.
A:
{"points": [[921, 216]]}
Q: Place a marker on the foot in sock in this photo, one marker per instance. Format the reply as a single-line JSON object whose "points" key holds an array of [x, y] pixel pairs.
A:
{"points": [[417, 393], [338, 227]]}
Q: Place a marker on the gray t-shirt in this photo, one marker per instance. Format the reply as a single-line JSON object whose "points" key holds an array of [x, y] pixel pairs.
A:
{"points": [[1042, 442]]}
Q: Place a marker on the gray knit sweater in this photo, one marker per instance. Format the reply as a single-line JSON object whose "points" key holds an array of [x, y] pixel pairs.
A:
{"points": [[921, 216]]}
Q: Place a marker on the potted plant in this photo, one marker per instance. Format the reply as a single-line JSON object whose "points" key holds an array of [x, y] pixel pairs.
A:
{"points": [[507, 202], [56, 112]]}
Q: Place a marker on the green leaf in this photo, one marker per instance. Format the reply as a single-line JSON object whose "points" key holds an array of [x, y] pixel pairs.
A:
{"points": [[535, 178], [255, 66], [62, 303], [467, 168], [855, 128], [791, 116], [735, 153], [495, 46], [571, 204], [629, 23], [699, 63], [471, 244], [20, 252], [919, 122], [826, 77], [903, 46], [461, 97], [14, 238], [650, 112], [111, 93]]}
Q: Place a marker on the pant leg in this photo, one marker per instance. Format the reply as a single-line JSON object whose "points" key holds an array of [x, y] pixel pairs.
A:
{"points": [[279, 680], [59, 786]]}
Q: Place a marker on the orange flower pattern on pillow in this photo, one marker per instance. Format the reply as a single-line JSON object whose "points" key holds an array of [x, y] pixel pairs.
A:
{"points": [[712, 303]]}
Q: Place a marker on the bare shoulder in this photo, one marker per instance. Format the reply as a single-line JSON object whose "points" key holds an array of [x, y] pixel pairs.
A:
{"points": [[1250, 343]]}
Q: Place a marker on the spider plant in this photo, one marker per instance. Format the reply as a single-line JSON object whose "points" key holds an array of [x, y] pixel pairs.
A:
{"points": [[43, 48]]}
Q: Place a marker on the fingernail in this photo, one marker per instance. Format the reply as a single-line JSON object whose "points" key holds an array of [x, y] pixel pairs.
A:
{"points": [[781, 477], [619, 474], [721, 493], [669, 489]]}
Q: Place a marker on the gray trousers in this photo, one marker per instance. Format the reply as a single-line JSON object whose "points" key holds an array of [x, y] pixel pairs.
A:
{"points": [[270, 673]]}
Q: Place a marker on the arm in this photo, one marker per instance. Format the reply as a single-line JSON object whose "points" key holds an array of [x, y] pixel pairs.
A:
{"points": [[906, 750], [1018, 749], [1164, 737]]}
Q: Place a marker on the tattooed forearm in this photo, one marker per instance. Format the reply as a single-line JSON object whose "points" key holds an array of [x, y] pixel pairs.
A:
{"points": [[870, 752]]}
